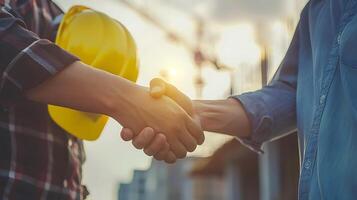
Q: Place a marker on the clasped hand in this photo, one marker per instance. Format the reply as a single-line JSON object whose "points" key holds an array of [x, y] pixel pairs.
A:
{"points": [[183, 137]]}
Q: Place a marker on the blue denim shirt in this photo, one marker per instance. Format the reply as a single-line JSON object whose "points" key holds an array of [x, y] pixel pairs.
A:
{"points": [[315, 92]]}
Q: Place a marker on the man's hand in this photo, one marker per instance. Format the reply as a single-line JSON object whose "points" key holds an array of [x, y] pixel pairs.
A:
{"points": [[159, 89], [225, 116], [163, 115], [154, 144], [222, 116]]}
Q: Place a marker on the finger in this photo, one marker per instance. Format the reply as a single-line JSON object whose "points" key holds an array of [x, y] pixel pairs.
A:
{"points": [[157, 87], [127, 134], [187, 140], [195, 130], [177, 148], [162, 154], [158, 143], [170, 158], [144, 138]]}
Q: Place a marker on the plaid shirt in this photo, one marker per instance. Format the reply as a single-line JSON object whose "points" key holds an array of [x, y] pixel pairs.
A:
{"points": [[38, 160]]}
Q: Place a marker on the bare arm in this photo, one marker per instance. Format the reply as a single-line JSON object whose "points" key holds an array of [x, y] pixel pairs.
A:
{"points": [[223, 116], [81, 87]]}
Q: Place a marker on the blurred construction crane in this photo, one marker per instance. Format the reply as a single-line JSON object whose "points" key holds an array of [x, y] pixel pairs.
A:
{"points": [[200, 56]]}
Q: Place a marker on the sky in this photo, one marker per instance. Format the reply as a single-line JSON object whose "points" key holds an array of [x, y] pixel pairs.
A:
{"points": [[234, 37]]}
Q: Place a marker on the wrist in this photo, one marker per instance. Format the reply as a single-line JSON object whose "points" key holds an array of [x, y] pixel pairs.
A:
{"points": [[198, 110], [119, 97], [223, 116], [242, 126]]}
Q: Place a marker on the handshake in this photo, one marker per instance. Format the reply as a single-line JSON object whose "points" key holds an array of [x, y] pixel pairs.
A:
{"points": [[165, 122], [161, 120], [166, 125]]}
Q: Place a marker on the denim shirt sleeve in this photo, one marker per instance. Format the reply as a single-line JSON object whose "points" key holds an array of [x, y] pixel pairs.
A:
{"points": [[272, 109]]}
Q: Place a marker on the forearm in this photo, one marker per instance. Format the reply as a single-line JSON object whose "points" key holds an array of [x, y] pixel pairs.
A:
{"points": [[223, 116], [84, 88]]}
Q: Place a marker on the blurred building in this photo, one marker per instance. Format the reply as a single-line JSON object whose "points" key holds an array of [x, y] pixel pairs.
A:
{"points": [[172, 182], [124, 191], [231, 173], [236, 167], [239, 169], [136, 189]]}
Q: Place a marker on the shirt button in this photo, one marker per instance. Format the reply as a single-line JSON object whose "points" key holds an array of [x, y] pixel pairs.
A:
{"points": [[307, 164], [339, 39], [322, 99]]}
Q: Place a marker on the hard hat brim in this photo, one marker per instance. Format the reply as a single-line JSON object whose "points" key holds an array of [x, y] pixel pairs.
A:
{"points": [[82, 125]]}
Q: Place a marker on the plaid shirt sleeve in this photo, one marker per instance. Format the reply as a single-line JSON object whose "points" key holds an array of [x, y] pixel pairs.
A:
{"points": [[25, 60]]}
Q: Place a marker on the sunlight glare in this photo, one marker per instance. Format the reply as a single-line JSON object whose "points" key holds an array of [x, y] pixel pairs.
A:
{"points": [[238, 46], [172, 72]]}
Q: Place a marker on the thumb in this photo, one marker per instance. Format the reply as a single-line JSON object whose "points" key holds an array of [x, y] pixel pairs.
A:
{"points": [[157, 88]]}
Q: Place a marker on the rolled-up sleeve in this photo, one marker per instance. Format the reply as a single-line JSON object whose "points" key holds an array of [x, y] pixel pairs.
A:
{"points": [[26, 60], [272, 109]]}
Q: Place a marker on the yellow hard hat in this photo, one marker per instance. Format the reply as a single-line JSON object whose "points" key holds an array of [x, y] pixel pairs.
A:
{"points": [[103, 43]]}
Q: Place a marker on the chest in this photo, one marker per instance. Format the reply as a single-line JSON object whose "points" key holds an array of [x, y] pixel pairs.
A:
{"points": [[327, 71], [328, 39]]}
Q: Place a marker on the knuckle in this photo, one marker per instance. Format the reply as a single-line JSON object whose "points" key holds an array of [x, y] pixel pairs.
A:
{"points": [[159, 157], [148, 134], [161, 141], [148, 152], [155, 80], [154, 149], [137, 144], [181, 154], [170, 157], [197, 131], [166, 147], [192, 147], [201, 139], [170, 160]]}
